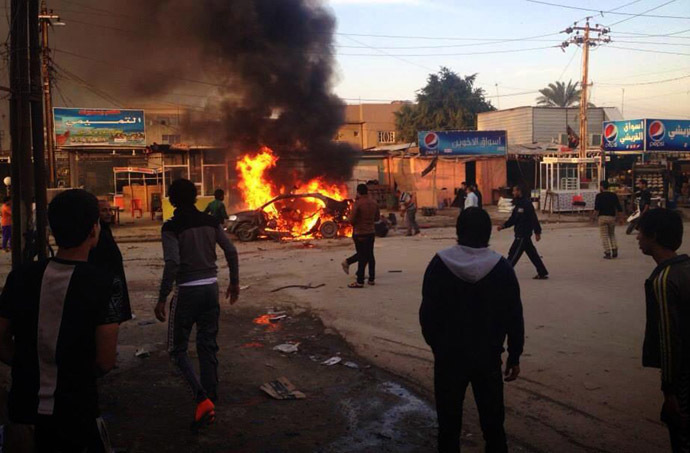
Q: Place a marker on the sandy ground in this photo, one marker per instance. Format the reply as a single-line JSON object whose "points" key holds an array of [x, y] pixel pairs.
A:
{"points": [[582, 386]]}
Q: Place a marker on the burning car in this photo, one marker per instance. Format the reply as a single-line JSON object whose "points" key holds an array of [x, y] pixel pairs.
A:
{"points": [[293, 215]]}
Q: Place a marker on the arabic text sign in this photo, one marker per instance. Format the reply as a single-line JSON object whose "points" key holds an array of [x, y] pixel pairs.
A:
{"points": [[623, 135], [99, 127], [462, 143], [668, 135]]}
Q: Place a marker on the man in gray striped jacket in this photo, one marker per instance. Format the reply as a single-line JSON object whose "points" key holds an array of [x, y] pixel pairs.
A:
{"points": [[189, 251]]}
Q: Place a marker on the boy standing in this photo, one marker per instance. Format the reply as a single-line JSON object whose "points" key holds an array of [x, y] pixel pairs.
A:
{"points": [[189, 251], [216, 208], [58, 330], [471, 303], [667, 332]]}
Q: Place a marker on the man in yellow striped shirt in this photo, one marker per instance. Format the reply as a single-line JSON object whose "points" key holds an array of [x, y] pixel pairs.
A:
{"points": [[667, 333]]}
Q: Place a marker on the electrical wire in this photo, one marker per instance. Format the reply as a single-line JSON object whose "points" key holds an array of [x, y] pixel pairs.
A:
{"points": [[442, 38], [577, 51], [643, 13], [451, 54], [645, 83], [397, 57], [613, 11], [648, 51]]}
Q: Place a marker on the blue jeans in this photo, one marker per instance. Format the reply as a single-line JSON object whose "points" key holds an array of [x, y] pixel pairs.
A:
{"points": [[196, 305], [6, 236]]}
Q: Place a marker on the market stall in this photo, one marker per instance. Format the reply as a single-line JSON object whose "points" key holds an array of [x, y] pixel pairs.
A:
{"points": [[568, 183]]}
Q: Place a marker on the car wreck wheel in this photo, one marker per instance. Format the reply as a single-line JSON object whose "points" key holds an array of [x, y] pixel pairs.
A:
{"points": [[329, 229], [246, 232]]}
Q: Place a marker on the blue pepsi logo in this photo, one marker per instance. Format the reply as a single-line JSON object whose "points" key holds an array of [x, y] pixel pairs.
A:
{"points": [[656, 130], [611, 133], [431, 140]]}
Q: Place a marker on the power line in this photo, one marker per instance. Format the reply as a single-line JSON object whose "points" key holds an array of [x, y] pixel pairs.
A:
{"points": [[560, 78], [442, 38], [444, 46], [398, 57], [450, 54], [610, 11], [682, 44], [648, 35], [93, 8], [643, 13], [645, 83], [649, 51]]}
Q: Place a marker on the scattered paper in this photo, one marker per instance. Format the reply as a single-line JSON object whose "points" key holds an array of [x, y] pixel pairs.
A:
{"points": [[287, 348], [142, 353], [332, 361], [352, 365], [282, 389]]}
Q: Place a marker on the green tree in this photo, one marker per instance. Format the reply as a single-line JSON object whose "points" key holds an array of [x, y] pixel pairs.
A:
{"points": [[447, 102], [560, 95]]}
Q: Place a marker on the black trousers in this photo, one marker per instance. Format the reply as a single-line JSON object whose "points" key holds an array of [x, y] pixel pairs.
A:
{"points": [[680, 435], [364, 256], [451, 378], [196, 305], [526, 245]]}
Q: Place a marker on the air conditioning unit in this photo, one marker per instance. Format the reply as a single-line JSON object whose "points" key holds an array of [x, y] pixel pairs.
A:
{"points": [[594, 139], [563, 139]]}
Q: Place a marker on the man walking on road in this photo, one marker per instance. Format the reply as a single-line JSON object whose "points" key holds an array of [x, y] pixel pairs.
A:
{"points": [[607, 208], [189, 250], [365, 213], [471, 302], [667, 332], [525, 221]]}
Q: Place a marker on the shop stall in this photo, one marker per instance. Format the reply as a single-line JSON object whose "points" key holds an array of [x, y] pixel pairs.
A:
{"points": [[569, 183]]}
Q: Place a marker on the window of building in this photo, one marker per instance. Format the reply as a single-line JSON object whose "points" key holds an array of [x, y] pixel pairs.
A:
{"points": [[171, 139], [386, 136]]}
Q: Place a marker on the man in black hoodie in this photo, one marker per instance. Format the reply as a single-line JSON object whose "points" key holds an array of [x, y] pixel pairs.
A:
{"points": [[471, 302], [525, 220]]}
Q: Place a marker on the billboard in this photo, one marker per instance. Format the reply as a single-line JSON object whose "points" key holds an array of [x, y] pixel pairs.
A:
{"points": [[668, 135], [462, 143], [623, 135], [99, 127]]}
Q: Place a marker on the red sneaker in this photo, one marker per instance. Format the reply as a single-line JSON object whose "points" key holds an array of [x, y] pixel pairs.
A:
{"points": [[205, 414]]}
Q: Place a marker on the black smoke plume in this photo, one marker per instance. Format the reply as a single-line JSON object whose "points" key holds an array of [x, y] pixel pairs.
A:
{"points": [[270, 64]]}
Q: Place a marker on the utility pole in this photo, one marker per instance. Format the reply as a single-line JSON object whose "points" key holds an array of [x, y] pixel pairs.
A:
{"points": [[20, 125], [37, 117], [46, 19], [585, 40]]}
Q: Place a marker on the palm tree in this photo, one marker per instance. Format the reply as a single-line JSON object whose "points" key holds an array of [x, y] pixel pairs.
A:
{"points": [[560, 95]]}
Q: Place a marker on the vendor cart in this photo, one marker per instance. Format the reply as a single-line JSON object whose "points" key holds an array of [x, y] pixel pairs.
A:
{"points": [[569, 184]]}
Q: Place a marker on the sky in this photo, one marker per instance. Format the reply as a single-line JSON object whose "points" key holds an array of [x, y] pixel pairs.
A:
{"points": [[386, 49], [644, 76]]}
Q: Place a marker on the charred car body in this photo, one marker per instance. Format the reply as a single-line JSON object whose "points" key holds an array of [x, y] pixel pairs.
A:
{"points": [[277, 218]]}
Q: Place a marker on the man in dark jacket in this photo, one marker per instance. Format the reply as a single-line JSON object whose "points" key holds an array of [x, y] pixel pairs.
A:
{"points": [[471, 302], [189, 251], [108, 257], [667, 333], [525, 221]]}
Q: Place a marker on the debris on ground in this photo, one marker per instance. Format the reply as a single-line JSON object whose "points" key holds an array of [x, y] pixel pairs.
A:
{"points": [[277, 318], [309, 286], [332, 361], [395, 271], [147, 322], [282, 389], [242, 288], [352, 365], [287, 348], [253, 344], [142, 353]]}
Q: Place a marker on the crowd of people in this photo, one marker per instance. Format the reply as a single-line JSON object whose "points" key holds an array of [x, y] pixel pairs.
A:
{"points": [[59, 319]]}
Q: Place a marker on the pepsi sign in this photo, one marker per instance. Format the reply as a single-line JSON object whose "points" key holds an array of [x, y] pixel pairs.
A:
{"points": [[668, 135], [623, 135], [462, 143]]}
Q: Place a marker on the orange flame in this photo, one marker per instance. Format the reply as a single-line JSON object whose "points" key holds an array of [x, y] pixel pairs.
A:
{"points": [[298, 217]]}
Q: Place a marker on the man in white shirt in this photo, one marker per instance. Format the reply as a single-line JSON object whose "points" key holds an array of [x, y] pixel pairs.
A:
{"points": [[472, 201]]}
